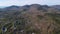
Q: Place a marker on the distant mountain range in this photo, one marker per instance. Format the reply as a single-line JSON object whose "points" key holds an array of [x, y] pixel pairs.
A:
{"points": [[56, 6], [14, 6]]}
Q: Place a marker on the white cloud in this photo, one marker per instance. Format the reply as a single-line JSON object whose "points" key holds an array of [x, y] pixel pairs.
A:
{"points": [[23, 2]]}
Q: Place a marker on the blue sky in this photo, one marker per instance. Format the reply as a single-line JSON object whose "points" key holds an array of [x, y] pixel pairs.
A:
{"points": [[24, 2]]}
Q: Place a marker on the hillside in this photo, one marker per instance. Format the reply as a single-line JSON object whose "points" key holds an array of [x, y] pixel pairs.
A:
{"points": [[30, 19], [56, 6]]}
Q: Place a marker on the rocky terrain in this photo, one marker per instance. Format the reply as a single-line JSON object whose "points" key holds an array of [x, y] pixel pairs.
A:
{"points": [[30, 19]]}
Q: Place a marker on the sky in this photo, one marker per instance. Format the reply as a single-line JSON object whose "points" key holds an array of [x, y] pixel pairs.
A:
{"points": [[28, 2]]}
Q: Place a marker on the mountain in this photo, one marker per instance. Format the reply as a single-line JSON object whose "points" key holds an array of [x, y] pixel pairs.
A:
{"points": [[30, 19], [56, 6], [13, 7]]}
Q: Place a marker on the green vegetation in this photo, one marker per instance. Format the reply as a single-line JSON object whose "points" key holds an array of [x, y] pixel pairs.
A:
{"points": [[55, 17], [30, 19], [40, 16]]}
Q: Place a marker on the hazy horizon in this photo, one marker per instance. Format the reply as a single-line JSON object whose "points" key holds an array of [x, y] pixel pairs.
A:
{"points": [[22, 5], [6, 3]]}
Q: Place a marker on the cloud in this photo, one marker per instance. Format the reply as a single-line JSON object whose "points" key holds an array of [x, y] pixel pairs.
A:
{"points": [[24, 2], [17, 2]]}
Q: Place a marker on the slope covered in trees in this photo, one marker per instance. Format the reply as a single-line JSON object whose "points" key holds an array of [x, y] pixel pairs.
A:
{"points": [[30, 19]]}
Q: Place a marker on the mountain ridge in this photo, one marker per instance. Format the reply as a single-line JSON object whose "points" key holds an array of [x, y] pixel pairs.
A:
{"points": [[30, 19]]}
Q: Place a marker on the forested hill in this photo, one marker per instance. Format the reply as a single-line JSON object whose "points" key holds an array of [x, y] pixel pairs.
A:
{"points": [[30, 19]]}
